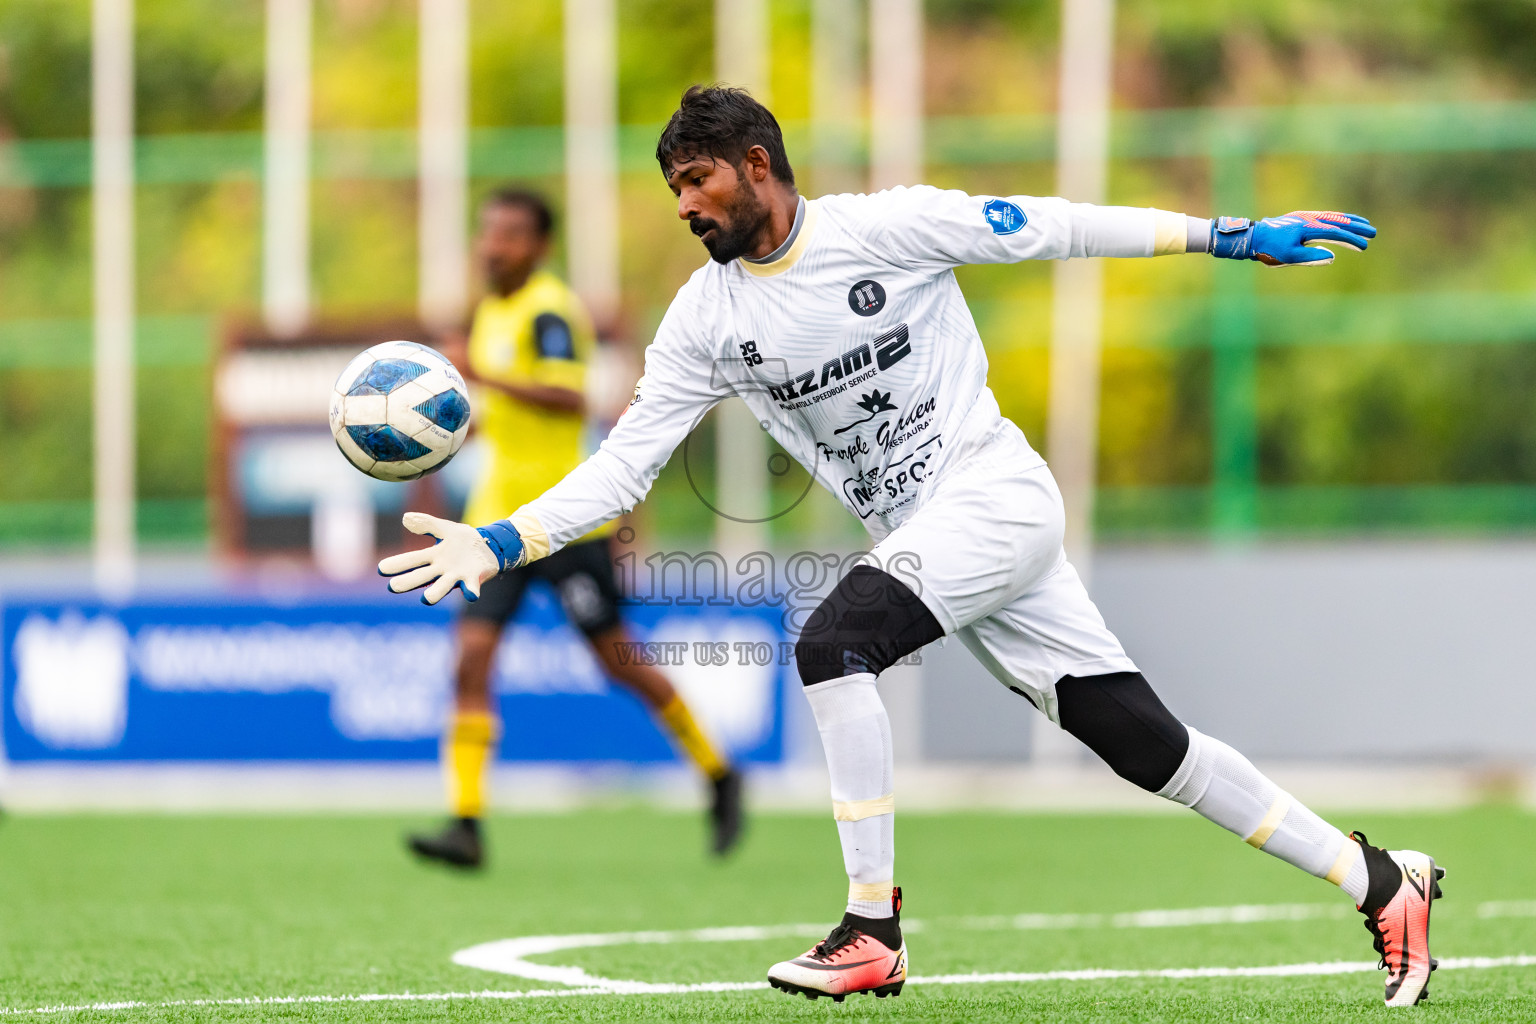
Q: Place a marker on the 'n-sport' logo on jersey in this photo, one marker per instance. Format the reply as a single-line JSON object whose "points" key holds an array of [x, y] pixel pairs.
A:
{"points": [[866, 298], [1003, 217]]}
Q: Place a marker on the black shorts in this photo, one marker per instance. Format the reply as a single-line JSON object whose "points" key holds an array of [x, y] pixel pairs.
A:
{"points": [[583, 576]]}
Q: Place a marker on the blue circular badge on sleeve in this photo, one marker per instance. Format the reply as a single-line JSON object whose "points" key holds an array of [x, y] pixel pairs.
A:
{"points": [[1003, 217]]}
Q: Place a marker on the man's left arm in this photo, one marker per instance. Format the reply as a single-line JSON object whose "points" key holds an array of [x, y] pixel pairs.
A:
{"points": [[951, 228]]}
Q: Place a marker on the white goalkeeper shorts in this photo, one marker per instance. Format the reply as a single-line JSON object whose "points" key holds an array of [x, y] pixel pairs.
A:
{"points": [[985, 552]]}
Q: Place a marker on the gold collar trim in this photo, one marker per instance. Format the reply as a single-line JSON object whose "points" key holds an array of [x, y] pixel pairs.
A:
{"points": [[789, 259]]}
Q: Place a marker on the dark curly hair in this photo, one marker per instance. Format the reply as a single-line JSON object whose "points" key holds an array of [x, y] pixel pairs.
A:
{"points": [[722, 123]]}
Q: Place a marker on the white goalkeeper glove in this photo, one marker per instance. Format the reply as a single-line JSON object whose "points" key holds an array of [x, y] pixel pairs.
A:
{"points": [[463, 557]]}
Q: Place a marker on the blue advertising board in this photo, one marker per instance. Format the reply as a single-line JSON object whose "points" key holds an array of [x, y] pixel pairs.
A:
{"points": [[241, 679]]}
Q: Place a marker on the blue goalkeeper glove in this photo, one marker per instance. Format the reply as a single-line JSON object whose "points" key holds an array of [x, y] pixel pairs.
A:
{"points": [[1292, 240], [463, 557]]}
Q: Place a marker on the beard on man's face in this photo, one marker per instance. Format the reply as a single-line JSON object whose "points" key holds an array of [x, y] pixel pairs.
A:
{"points": [[506, 270], [745, 216], [501, 276]]}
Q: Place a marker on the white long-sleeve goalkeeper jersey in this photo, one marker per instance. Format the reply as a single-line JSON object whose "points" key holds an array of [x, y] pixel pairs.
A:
{"points": [[855, 347]]}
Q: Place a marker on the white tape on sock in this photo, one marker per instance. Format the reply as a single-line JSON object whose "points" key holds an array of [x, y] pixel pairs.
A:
{"points": [[1224, 786], [856, 736], [858, 810]]}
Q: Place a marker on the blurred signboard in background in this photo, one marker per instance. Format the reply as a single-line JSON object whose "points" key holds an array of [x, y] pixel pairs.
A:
{"points": [[363, 680]]}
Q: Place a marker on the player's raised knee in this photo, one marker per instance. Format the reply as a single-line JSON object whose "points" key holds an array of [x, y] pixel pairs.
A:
{"points": [[867, 623], [824, 651]]}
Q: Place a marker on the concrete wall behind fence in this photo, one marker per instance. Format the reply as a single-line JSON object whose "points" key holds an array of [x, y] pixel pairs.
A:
{"points": [[1403, 651]]}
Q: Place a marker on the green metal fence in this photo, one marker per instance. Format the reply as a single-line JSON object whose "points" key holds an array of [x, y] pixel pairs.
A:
{"points": [[1235, 320]]}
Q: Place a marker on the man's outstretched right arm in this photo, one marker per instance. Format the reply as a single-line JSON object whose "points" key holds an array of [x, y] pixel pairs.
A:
{"points": [[947, 228], [678, 388]]}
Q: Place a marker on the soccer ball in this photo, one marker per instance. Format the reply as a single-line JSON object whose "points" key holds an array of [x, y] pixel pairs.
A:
{"points": [[399, 411]]}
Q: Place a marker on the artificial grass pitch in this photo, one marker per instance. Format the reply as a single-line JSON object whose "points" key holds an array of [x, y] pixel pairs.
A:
{"points": [[155, 910]]}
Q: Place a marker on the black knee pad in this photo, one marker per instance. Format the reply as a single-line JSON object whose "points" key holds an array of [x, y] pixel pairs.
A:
{"points": [[1123, 721], [870, 621]]}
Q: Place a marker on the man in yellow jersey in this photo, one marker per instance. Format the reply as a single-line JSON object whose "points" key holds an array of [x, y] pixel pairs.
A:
{"points": [[527, 353]]}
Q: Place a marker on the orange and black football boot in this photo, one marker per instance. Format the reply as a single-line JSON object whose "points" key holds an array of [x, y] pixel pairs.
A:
{"points": [[1402, 886], [862, 954]]}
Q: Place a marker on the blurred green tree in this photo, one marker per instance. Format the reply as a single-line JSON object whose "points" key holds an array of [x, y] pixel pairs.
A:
{"points": [[1419, 397]]}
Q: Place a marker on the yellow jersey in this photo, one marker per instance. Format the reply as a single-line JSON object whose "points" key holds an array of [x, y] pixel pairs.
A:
{"points": [[540, 335]]}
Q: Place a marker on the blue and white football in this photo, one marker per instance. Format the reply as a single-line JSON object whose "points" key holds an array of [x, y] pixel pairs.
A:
{"points": [[399, 411]]}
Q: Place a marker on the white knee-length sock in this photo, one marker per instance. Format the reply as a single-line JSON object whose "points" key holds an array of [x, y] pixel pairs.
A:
{"points": [[1221, 784], [856, 735]]}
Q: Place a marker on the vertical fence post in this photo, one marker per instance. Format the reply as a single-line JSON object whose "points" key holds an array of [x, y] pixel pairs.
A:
{"points": [[895, 93], [1234, 359], [743, 54], [1082, 175], [114, 451], [285, 178], [837, 99], [592, 154], [442, 140]]}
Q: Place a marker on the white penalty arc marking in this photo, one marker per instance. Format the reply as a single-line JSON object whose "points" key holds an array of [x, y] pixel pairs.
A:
{"points": [[508, 956]]}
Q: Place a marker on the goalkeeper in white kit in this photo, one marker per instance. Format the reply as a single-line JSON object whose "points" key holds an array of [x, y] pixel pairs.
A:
{"points": [[839, 322]]}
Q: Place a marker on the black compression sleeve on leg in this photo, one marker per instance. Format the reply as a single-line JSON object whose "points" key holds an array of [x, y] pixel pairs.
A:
{"points": [[870, 621], [1123, 721]]}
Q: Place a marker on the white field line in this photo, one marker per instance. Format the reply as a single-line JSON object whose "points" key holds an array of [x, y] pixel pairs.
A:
{"points": [[1507, 908], [1091, 974], [1270, 971], [507, 956], [1183, 918]]}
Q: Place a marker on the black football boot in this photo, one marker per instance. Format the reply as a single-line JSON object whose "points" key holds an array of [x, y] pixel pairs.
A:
{"points": [[457, 844], [725, 817]]}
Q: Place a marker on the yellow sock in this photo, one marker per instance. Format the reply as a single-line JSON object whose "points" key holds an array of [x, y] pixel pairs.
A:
{"points": [[467, 748], [691, 738]]}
